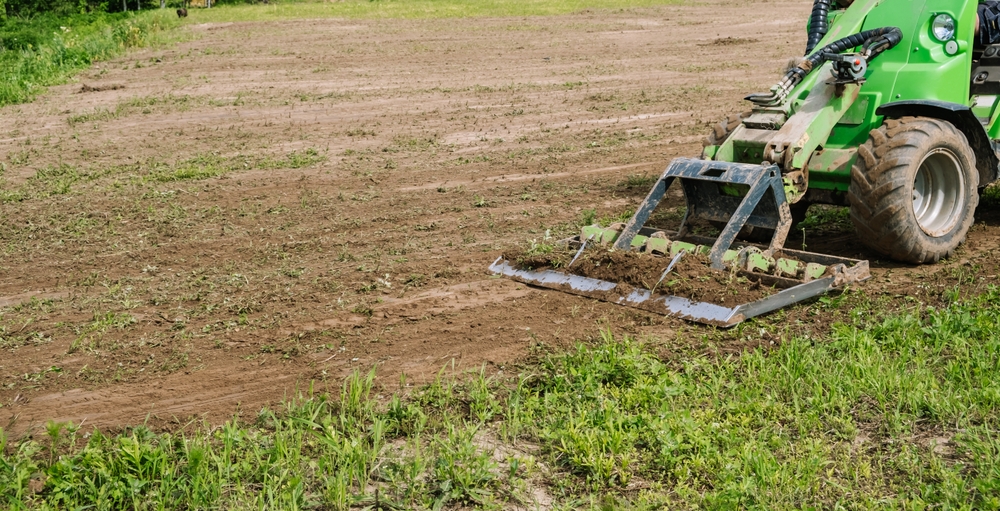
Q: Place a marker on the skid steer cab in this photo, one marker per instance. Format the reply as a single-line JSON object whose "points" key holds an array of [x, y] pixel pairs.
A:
{"points": [[892, 111]]}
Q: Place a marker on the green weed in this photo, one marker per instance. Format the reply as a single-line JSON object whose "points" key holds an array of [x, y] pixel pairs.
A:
{"points": [[613, 218], [827, 217], [990, 195], [143, 104], [639, 181], [545, 246]]}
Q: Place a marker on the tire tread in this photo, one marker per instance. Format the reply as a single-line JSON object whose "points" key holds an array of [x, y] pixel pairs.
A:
{"points": [[879, 193]]}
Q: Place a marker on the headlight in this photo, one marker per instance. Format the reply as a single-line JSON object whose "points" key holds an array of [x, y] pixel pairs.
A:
{"points": [[943, 27]]}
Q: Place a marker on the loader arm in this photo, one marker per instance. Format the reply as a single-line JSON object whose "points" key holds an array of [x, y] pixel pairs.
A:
{"points": [[793, 144]]}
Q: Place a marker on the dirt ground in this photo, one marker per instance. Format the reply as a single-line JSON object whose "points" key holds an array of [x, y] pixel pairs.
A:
{"points": [[197, 231]]}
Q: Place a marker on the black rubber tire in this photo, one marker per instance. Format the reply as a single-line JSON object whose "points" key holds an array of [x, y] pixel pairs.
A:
{"points": [[883, 192], [722, 130]]}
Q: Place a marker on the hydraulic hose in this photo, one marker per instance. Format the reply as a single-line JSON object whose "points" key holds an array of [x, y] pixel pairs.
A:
{"points": [[887, 38], [818, 24], [873, 43]]}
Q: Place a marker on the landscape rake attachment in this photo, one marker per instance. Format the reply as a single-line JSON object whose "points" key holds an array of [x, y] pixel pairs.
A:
{"points": [[738, 195]]}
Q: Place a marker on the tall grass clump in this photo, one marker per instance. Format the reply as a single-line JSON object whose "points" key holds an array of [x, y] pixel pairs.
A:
{"points": [[47, 49]]}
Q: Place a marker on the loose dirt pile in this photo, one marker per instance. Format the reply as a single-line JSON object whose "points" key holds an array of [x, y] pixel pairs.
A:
{"points": [[692, 277]]}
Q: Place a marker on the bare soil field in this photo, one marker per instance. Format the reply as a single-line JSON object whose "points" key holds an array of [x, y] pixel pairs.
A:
{"points": [[193, 232]]}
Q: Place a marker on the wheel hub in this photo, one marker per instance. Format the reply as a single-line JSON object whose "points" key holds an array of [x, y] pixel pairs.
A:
{"points": [[938, 192]]}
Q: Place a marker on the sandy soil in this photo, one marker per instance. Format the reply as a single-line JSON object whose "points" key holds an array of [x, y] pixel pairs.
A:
{"points": [[370, 172]]}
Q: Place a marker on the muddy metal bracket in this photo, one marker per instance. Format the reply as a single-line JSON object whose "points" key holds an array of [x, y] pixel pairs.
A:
{"points": [[714, 191]]}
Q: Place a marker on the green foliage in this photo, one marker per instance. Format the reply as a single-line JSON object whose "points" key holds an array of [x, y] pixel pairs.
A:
{"points": [[212, 165], [900, 413], [47, 49], [990, 196], [67, 8], [621, 217], [641, 182], [540, 248], [792, 428], [829, 217]]}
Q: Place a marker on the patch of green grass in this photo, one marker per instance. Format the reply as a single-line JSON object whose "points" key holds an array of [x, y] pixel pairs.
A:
{"points": [[821, 216], [640, 181], [614, 218], [10, 339], [293, 160], [890, 413], [63, 179], [47, 50], [990, 195], [99, 114], [142, 104], [414, 143], [56, 180], [365, 9]]}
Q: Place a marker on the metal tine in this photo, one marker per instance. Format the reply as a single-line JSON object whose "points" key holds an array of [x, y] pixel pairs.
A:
{"points": [[669, 267], [578, 252]]}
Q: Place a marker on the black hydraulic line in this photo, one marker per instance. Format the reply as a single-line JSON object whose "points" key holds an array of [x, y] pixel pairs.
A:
{"points": [[881, 42], [873, 43], [818, 24]]}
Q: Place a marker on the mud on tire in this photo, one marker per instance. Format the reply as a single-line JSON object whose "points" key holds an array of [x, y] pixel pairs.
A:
{"points": [[913, 189]]}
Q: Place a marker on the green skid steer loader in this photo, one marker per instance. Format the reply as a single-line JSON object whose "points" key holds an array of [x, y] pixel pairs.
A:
{"points": [[893, 112]]}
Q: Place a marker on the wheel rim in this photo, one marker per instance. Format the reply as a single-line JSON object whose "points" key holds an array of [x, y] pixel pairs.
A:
{"points": [[939, 192]]}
